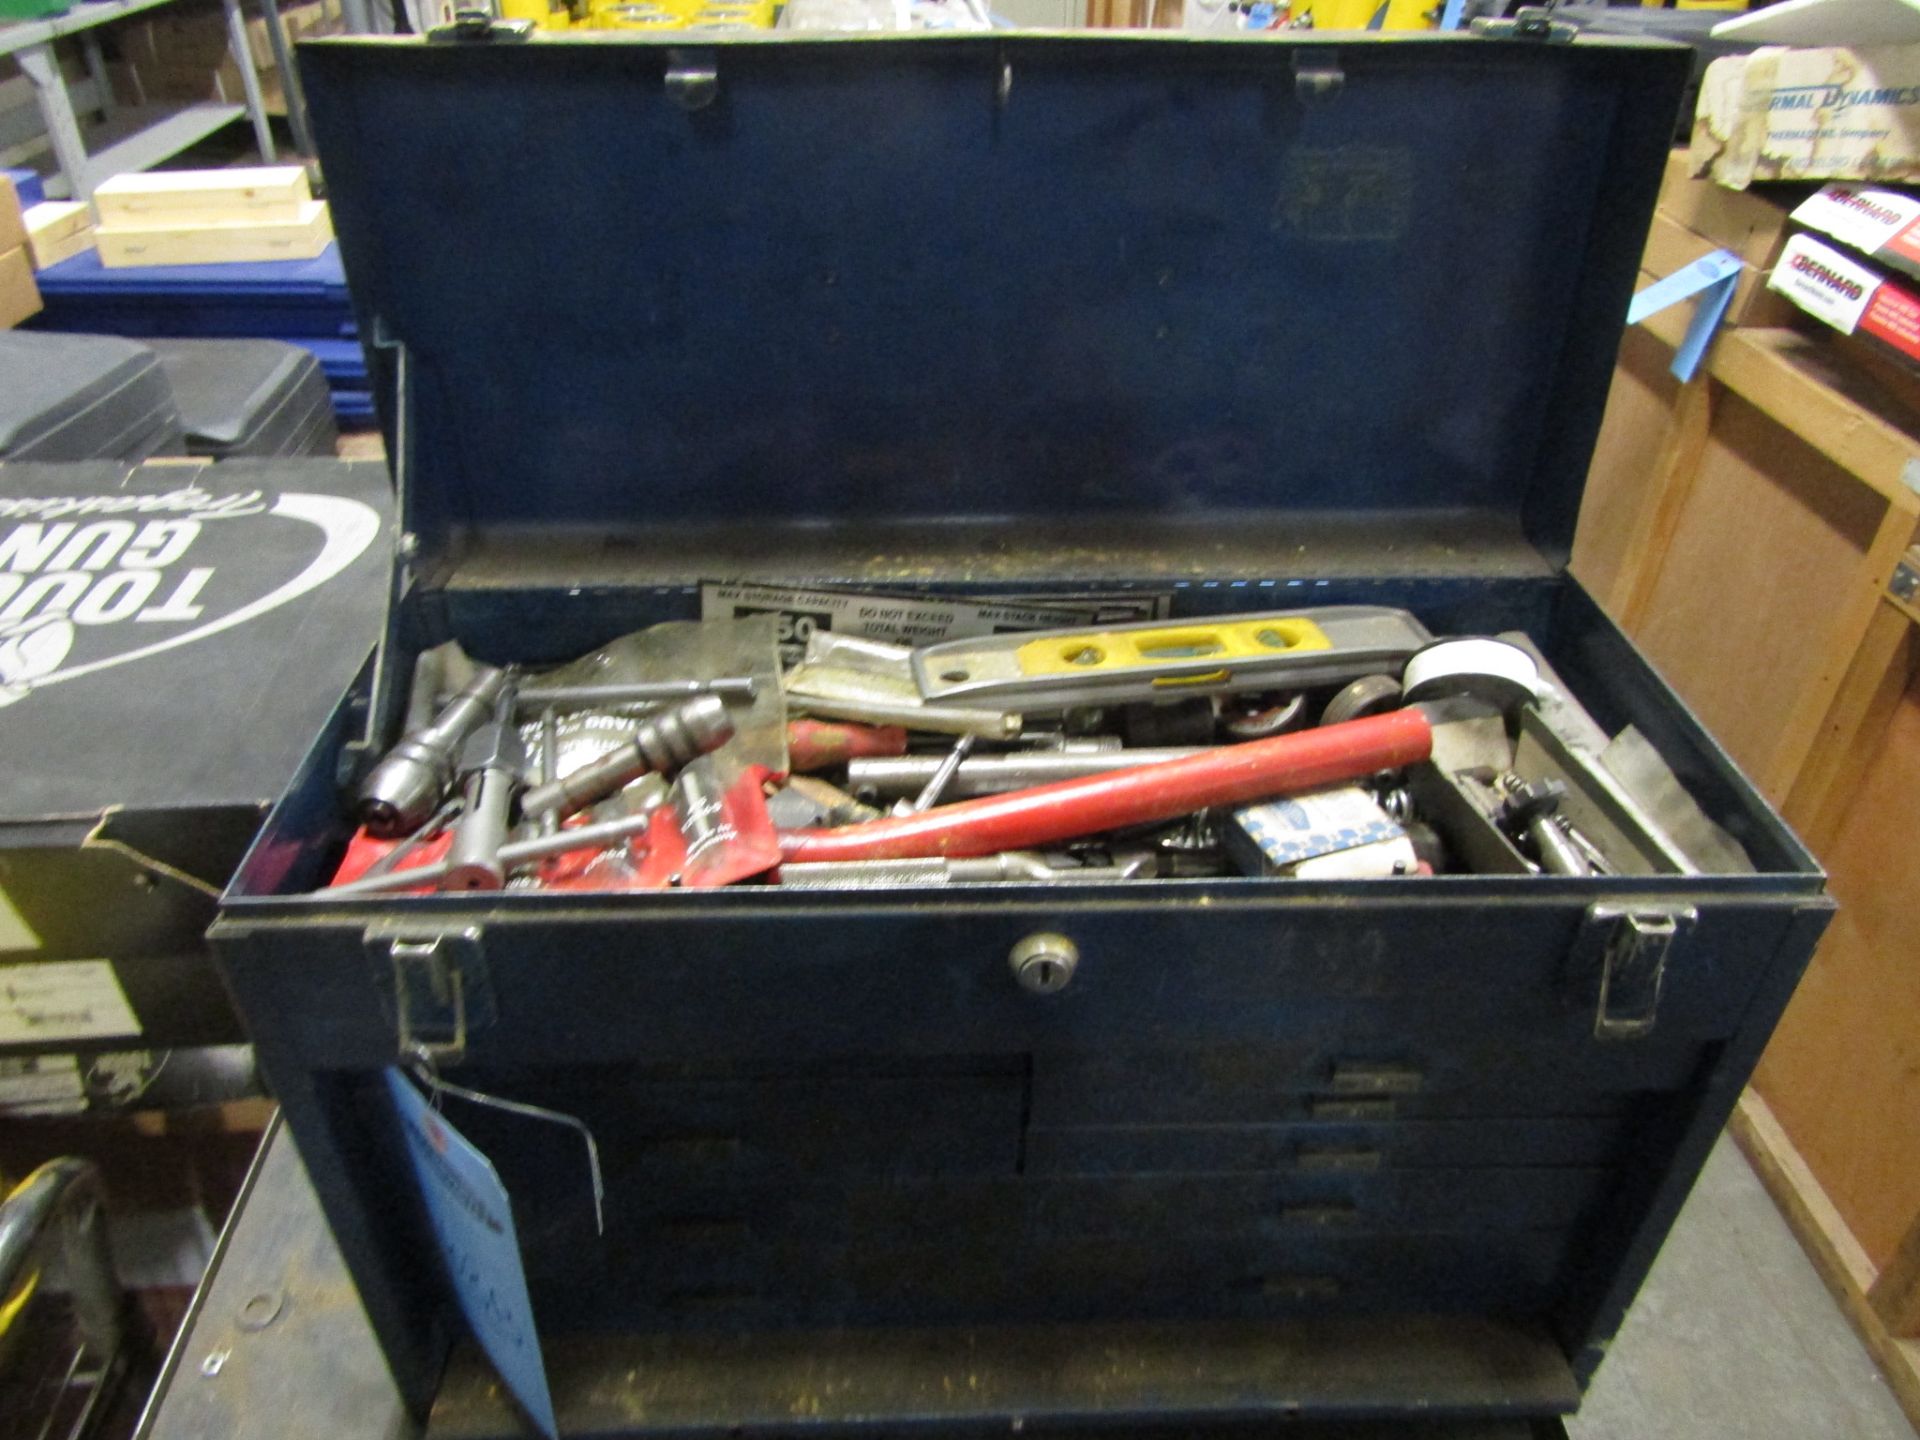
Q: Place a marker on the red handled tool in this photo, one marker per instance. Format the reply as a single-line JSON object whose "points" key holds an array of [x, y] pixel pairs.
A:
{"points": [[1067, 809], [816, 744]]}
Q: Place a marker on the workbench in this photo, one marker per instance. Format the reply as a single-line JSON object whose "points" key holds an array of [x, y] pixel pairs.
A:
{"points": [[276, 1329], [166, 134]]}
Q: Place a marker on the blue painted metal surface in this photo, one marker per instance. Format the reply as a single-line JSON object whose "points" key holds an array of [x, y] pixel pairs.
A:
{"points": [[988, 288], [996, 276]]}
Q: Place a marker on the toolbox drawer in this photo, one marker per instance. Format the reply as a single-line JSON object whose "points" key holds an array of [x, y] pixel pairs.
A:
{"points": [[1420, 1072], [658, 1137], [1511, 1273], [1325, 1146], [971, 1279], [925, 1253], [1179, 1208]]}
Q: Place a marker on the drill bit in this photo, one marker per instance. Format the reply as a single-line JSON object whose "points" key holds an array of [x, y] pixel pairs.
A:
{"points": [[661, 744], [412, 778], [490, 766]]}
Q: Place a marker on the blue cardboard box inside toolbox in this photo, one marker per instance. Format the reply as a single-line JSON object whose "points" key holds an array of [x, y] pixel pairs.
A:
{"points": [[1250, 321]]}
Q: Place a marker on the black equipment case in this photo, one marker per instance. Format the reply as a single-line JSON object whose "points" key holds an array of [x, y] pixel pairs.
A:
{"points": [[172, 637], [1255, 322], [84, 397], [249, 397]]}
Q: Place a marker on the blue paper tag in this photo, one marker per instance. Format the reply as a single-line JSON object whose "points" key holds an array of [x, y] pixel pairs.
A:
{"points": [[473, 1223], [1713, 278]]}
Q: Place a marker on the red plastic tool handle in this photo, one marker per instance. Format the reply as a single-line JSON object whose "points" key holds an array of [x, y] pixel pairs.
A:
{"points": [[1046, 814]]}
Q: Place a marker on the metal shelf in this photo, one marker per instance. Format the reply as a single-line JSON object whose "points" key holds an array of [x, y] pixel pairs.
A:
{"points": [[31, 43]]}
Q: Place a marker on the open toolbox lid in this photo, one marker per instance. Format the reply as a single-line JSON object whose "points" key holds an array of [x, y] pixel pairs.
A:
{"points": [[1009, 280]]}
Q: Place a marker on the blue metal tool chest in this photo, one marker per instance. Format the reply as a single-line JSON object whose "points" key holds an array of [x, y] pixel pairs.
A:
{"points": [[1312, 320]]}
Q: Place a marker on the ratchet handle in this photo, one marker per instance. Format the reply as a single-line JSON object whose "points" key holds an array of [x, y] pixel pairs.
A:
{"points": [[1046, 814]]}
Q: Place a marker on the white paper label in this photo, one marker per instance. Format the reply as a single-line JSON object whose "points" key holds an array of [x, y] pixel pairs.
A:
{"points": [[42, 1085], [1824, 283], [63, 1000], [1864, 219], [906, 620]]}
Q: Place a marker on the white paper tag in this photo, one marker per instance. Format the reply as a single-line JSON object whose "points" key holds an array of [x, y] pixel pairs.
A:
{"points": [[41, 1085], [472, 1221], [1864, 219], [63, 1000], [1824, 283], [903, 620]]}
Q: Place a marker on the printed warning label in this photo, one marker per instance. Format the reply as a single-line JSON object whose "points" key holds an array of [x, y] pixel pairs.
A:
{"points": [[63, 1000]]}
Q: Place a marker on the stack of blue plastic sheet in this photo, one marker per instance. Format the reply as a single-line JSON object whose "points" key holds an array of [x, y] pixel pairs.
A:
{"points": [[301, 301]]}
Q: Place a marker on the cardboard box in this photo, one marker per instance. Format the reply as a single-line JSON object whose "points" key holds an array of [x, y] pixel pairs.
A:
{"points": [[19, 296], [1829, 114], [178, 244], [1698, 216], [185, 56], [1849, 295], [1752, 224], [176, 198], [13, 225], [1882, 224], [58, 230]]}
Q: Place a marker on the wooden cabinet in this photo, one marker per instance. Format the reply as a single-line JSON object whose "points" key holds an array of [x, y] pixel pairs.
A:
{"points": [[1751, 529]]}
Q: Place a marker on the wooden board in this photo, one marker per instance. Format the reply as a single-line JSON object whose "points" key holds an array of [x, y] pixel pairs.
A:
{"points": [[1736, 617], [1842, 1264], [1896, 1294], [19, 296], [1802, 382], [184, 197], [300, 239], [1625, 461], [1843, 1071], [1875, 684]]}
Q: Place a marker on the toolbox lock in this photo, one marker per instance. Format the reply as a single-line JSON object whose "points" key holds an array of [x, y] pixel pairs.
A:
{"points": [[1620, 961], [441, 993], [1043, 963]]}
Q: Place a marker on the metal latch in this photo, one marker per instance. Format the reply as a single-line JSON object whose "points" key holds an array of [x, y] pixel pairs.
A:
{"points": [[479, 27], [1621, 962], [441, 992], [693, 78], [1905, 584], [1366, 1077], [1530, 22], [1317, 75]]}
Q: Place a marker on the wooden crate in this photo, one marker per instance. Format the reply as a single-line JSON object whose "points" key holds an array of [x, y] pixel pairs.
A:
{"points": [[1754, 529]]}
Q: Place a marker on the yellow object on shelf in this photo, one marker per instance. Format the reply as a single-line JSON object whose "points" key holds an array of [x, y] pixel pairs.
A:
{"points": [[1359, 14], [682, 14], [545, 15]]}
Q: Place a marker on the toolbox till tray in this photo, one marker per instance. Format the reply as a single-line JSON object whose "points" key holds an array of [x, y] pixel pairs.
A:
{"points": [[1260, 323]]}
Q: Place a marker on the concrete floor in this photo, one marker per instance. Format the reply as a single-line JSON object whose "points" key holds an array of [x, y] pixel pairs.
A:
{"points": [[1734, 1335]]}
